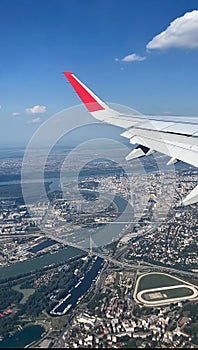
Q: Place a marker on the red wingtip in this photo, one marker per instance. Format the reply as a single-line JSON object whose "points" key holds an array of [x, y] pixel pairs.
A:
{"points": [[68, 74], [87, 97]]}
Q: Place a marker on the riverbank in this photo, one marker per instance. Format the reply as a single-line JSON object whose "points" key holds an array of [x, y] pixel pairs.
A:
{"points": [[38, 263]]}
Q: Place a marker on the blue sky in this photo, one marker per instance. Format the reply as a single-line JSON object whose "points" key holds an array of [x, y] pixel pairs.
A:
{"points": [[112, 45]]}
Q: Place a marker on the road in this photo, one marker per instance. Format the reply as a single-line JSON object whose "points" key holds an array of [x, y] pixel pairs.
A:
{"points": [[122, 264]]}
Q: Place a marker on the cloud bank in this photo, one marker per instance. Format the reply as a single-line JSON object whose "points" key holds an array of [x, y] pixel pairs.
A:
{"points": [[131, 58], [36, 109], [181, 33], [35, 120]]}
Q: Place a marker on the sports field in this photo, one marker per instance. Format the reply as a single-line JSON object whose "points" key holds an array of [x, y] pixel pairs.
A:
{"points": [[156, 280], [155, 289]]}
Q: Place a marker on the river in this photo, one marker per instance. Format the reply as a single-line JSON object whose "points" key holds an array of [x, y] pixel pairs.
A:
{"points": [[22, 338], [38, 263], [102, 237]]}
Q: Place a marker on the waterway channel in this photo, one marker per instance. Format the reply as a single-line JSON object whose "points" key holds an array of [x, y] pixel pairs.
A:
{"points": [[39, 263], [22, 338], [77, 290]]}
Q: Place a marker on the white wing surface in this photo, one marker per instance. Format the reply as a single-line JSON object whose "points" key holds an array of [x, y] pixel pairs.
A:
{"points": [[173, 137]]}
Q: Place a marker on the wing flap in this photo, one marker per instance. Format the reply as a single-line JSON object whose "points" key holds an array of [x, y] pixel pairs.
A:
{"points": [[178, 151], [192, 197]]}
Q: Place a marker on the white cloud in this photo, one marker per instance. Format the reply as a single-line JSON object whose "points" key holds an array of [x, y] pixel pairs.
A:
{"points": [[36, 109], [181, 33], [0, 106], [15, 114], [35, 120], [132, 58]]}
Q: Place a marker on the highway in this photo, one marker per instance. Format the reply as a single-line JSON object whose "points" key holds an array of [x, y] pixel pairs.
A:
{"points": [[122, 264]]}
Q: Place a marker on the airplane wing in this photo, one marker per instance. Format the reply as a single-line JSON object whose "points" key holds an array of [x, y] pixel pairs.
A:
{"points": [[175, 138]]}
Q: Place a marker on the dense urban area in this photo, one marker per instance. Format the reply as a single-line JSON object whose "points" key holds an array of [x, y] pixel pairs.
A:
{"points": [[57, 274]]}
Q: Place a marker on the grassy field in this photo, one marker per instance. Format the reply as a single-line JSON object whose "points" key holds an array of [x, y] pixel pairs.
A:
{"points": [[156, 280], [26, 293], [170, 293]]}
